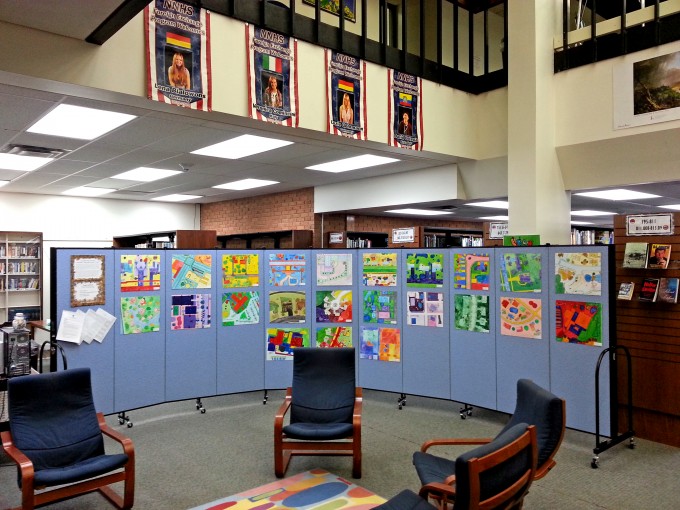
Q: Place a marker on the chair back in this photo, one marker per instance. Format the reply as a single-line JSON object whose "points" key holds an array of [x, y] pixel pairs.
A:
{"points": [[537, 406], [497, 474], [324, 382], [52, 418]]}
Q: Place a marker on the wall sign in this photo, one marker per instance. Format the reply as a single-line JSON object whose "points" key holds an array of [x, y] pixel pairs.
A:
{"points": [[403, 235], [649, 224], [498, 229], [336, 238]]}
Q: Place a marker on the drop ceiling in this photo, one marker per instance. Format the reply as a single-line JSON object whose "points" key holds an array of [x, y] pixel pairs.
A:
{"points": [[163, 136]]}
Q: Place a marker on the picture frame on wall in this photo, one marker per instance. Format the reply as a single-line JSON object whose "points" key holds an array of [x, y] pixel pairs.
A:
{"points": [[333, 6]]}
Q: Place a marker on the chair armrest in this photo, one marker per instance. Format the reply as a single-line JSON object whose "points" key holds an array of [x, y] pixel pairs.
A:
{"points": [[454, 442], [358, 408], [23, 462], [126, 442], [444, 492], [281, 413]]}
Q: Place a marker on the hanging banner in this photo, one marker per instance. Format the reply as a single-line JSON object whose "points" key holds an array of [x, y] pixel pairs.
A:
{"points": [[272, 76], [178, 54], [346, 95], [405, 112]]}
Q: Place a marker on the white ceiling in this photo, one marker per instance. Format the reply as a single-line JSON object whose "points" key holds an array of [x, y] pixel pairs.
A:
{"points": [[163, 136]]}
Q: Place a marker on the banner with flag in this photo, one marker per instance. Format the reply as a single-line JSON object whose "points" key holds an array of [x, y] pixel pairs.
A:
{"points": [[177, 38], [405, 114], [272, 76], [346, 95]]}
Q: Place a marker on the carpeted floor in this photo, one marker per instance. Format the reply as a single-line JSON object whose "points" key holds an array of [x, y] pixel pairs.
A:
{"points": [[186, 459]]}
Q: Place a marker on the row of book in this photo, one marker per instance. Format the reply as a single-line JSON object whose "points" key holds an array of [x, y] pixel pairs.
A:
{"points": [[645, 255], [20, 250], [653, 289]]}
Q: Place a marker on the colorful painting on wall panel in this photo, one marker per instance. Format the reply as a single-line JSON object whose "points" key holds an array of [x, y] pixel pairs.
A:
{"points": [[287, 307], [472, 312], [424, 269], [281, 342], [140, 272], [140, 314], [191, 271], [471, 271], [379, 269], [334, 336], [521, 317], [334, 306], [390, 344], [241, 270], [240, 308], [578, 323], [333, 269], [370, 343], [287, 269], [380, 306], [425, 309], [521, 272], [578, 273], [190, 311]]}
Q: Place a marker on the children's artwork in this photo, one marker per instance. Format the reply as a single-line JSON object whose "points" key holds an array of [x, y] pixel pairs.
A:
{"points": [[334, 306], [521, 272], [140, 272], [524, 240], [380, 306], [140, 314], [287, 269], [425, 309], [472, 312], [281, 342], [240, 308], [288, 307], [390, 344], [379, 269], [241, 270], [424, 269], [578, 323], [521, 317], [471, 271], [192, 271], [578, 273], [334, 269], [190, 311], [336, 336], [370, 343]]}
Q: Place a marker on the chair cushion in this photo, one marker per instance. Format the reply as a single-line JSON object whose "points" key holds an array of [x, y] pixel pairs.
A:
{"points": [[318, 431], [431, 468], [405, 500], [537, 406], [89, 468]]}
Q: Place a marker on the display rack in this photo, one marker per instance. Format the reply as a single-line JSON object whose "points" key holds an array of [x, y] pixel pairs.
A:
{"points": [[20, 275]]}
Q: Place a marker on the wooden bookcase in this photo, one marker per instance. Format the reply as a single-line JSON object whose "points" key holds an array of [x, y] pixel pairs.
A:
{"points": [[357, 239], [280, 239], [20, 275], [183, 239]]}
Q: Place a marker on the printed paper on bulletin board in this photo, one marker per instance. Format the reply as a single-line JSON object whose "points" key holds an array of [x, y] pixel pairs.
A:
{"points": [[88, 286]]}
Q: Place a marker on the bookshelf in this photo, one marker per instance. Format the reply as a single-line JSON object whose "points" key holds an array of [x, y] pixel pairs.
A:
{"points": [[279, 239], [351, 239], [20, 275], [183, 239], [592, 236], [441, 237]]}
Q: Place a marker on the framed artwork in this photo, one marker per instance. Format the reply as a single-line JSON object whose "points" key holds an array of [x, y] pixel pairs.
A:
{"points": [[333, 6]]}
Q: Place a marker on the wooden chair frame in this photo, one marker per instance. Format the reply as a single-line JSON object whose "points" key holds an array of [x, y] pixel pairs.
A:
{"points": [[30, 499], [444, 494], [285, 448]]}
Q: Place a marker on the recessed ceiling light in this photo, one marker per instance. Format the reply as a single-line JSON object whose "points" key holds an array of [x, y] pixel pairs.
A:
{"points": [[3, 183], [22, 163], [674, 207], [581, 222], [499, 218], [354, 163], [79, 122], [241, 146], [492, 204], [177, 198], [87, 191], [245, 184], [145, 174], [587, 212], [616, 194], [422, 212]]}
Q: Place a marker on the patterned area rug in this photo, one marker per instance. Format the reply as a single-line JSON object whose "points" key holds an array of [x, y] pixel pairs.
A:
{"points": [[317, 489]]}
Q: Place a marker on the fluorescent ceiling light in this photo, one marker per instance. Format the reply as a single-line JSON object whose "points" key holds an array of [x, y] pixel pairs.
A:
{"points": [[355, 163], [145, 174], [245, 184], [422, 212], [241, 146], [22, 163], [176, 198], [501, 217], [616, 194], [87, 191], [587, 212], [79, 122], [493, 204], [3, 183], [581, 222], [674, 207]]}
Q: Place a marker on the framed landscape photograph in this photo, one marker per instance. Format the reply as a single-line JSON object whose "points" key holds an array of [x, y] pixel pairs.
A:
{"points": [[333, 6]]}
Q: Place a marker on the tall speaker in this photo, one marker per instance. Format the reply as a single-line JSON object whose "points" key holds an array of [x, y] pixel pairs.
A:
{"points": [[17, 352]]}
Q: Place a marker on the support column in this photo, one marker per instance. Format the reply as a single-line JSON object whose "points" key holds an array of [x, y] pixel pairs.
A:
{"points": [[538, 202]]}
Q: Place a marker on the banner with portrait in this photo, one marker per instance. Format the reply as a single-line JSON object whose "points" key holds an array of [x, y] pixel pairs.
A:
{"points": [[346, 95], [405, 112], [272, 76], [177, 38]]}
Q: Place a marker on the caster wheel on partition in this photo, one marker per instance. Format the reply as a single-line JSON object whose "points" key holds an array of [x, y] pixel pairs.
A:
{"points": [[129, 424], [463, 416], [594, 463], [121, 421], [202, 410], [632, 445]]}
